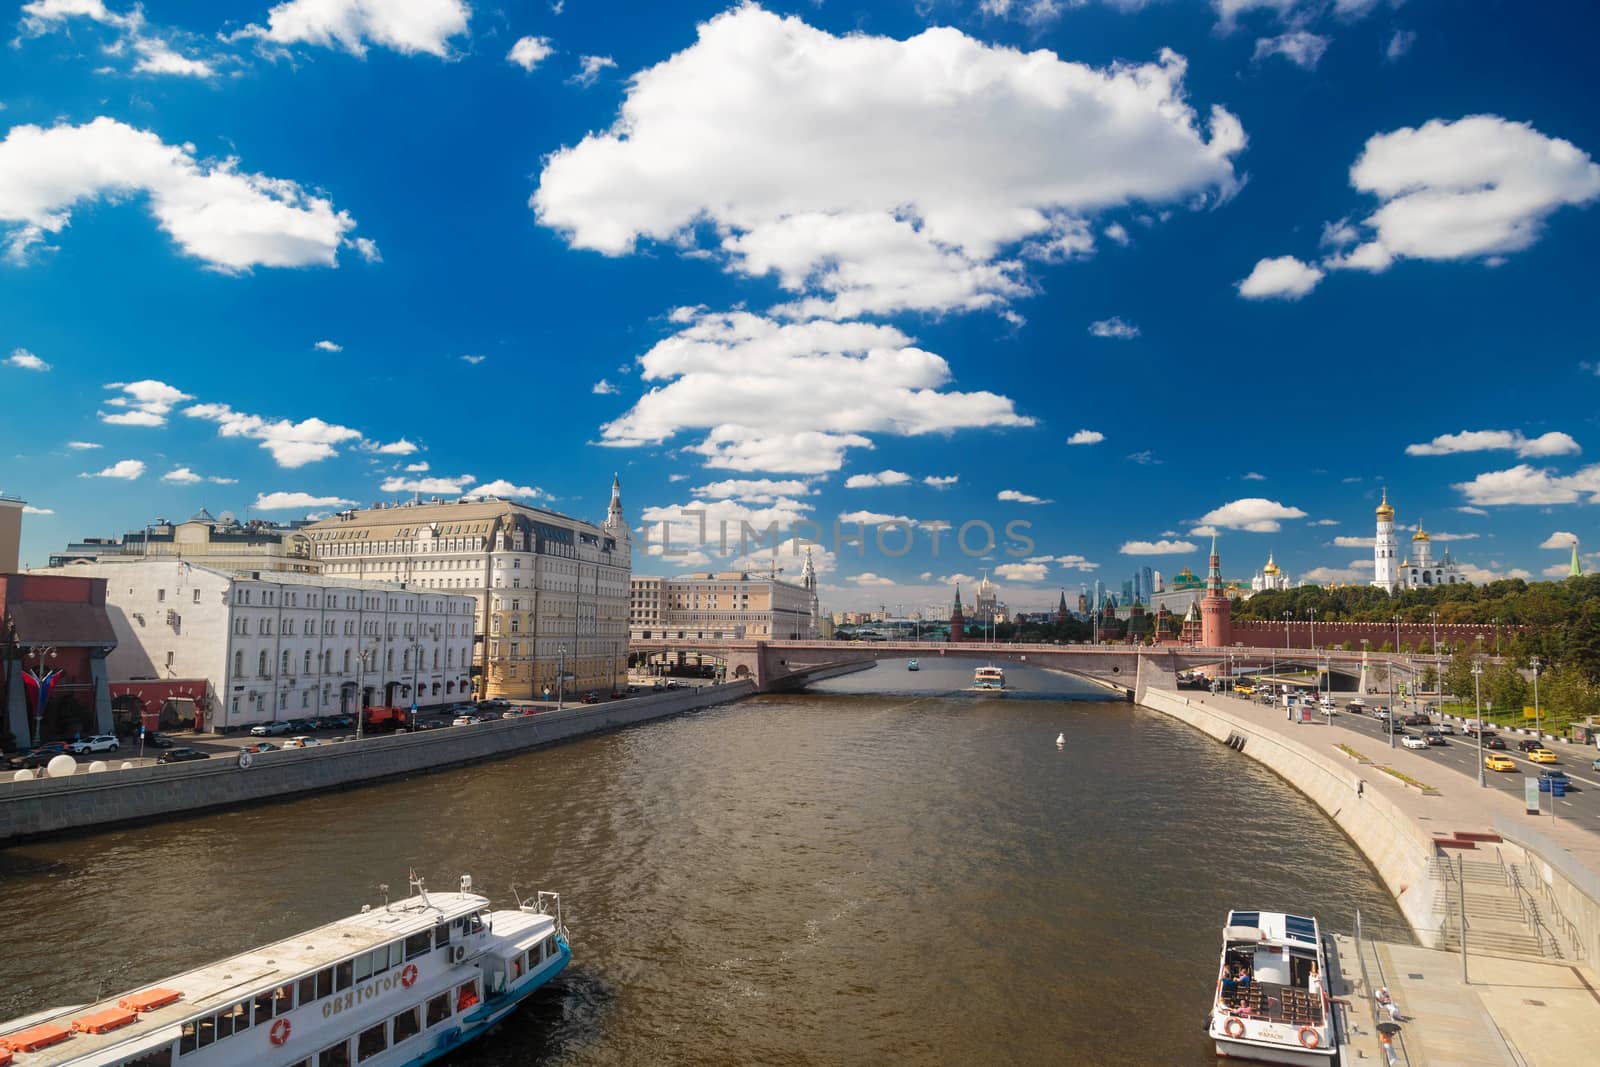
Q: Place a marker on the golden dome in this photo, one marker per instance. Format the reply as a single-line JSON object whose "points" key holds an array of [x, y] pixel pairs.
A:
{"points": [[1421, 534], [1271, 567], [1384, 510]]}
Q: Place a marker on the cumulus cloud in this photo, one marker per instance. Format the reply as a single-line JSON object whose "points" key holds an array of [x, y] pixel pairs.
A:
{"points": [[868, 481], [753, 490], [590, 68], [1467, 509], [687, 534], [1252, 476], [409, 27], [604, 388], [509, 490], [1283, 278], [875, 518], [1557, 570], [282, 501], [328, 346], [941, 481], [1302, 48], [401, 447], [1560, 539], [529, 52], [473, 360], [1254, 514], [21, 357], [127, 469], [1354, 542], [859, 170], [1114, 327], [82, 446], [229, 219], [792, 397], [1157, 548], [181, 476], [1480, 187], [1485, 575], [1525, 484], [1553, 443], [1400, 43], [291, 444], [29, 509], [142, 403], [443, 486], [131, 35], [1021, 572], [1070, 562], [1086, 437], [1358, 573], [416, 468], [1016, 497], [869, 578]]}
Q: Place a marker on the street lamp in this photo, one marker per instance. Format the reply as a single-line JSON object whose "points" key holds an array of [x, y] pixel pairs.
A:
{"points": [[1538, 732], [1286, 643], [1397, 634], [43, 683], [1477, 690], [361, 693], [1313, 613], [1392, 707], [561, 676]]}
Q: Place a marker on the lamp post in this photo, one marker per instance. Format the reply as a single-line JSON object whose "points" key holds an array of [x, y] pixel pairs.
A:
{"points": [[40, 653], [1391, 705], [561, 676], [1286, 644], [361, 692], [1477, 690], [1397, 634], [1313, 613], [1538, 731]]}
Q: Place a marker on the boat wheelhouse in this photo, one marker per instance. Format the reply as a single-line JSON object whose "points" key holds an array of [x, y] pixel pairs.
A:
{"points": [[1271, 1002], [989, 677], [396, 984]]}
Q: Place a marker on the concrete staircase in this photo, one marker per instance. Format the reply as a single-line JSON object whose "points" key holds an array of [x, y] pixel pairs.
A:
{"points": [[1500, 918]]}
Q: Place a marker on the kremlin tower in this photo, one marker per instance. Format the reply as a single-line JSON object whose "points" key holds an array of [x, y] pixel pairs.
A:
{"points": [[958, 621], [1215, 607]]}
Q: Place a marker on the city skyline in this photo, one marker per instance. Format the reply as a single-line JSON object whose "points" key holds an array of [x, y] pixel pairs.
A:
{"points": [[1245, 265]]}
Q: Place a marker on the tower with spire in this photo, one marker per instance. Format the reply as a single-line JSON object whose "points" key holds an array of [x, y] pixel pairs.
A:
{"points": [[1384, 549], [1216, 609], [808, 581], [616, 525], [1061, 608], [958, 621]]}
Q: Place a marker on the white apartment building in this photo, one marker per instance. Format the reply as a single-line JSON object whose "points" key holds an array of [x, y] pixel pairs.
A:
{"points": [[729, 605], [551, 591], [280, 646]]}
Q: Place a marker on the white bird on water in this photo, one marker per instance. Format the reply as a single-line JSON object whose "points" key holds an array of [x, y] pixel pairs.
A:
{"points": [[1061, 740]]}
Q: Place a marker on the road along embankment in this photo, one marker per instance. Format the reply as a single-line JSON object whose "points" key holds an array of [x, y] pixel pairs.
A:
{"points": [[1396, 846], [57, 805]]}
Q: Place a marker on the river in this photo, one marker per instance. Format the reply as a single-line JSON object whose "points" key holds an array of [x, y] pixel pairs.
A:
{"points": [[878, 870]]}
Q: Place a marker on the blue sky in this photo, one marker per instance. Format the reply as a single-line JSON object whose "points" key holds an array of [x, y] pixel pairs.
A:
{"points": [[1261, 257]]}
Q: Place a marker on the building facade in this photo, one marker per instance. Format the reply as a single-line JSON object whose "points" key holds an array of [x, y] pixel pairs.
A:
{"points": [[222, 543], [1216, 609], [10, 534], [552, 592], [52, 624], [283, 646], [719, 606], [1418, 570], [1270, 577]]}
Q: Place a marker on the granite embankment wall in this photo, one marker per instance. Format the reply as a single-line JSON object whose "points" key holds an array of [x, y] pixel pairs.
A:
{"points": [[1393, 843], [55, 805]]}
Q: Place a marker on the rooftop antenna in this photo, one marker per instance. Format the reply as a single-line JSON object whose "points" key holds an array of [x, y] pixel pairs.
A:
{"points": [[416, 883]]}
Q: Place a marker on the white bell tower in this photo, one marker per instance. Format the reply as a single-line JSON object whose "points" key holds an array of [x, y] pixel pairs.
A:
{"points": [[1385, 574]]}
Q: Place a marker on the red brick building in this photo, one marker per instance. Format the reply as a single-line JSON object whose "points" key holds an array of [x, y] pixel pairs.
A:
{"points": [[55, 623]]}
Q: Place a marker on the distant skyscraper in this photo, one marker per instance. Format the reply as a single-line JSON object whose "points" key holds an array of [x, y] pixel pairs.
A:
{"points": [[1160, 585], [1099, 594], [1127, 591], [1148, 582]]}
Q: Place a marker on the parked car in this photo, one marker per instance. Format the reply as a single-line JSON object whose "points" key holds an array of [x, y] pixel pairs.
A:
{"points": [[260, 746], [1414, 742], [269, 729], [591, 698], [155, 740], [1542, 755], [38, 757], [97, 743], [1499, 763], [301, 742], [181, 755], [339, 722], [1528, 744]]}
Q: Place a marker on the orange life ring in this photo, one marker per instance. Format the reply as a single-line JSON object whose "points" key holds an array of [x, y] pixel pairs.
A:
{"points": [[1309, 1037], [408, 977], [1235, 1028], [280, 1031]]}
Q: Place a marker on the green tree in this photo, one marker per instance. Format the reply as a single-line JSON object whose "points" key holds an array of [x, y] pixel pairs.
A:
{"points": [[1565, 693], [1430, 679], [1458, 674], [1506, 686]]}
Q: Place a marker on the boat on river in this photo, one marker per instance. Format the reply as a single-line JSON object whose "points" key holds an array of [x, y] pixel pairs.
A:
{"points": [[396, 983], [989, 677], [1271, 1005], [913, 665]]}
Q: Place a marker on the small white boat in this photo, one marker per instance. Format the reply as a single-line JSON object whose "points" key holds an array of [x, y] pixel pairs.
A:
{"points": [[913, 665], [1271, 1005], [1061, 740], [395, 984], [989, 677]]}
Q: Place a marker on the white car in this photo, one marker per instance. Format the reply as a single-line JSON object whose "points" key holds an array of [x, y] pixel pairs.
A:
{"points": [[1414, 742], [1447, 728], [301, 742], [269, 729], [464, 720], [97, 743]]}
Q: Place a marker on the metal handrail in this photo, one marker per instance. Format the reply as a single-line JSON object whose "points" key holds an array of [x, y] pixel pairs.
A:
{"points": [[1371, 991]]}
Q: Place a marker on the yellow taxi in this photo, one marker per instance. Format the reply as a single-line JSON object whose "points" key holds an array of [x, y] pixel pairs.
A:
{"points": [[1542, 755], [1497, 762], [1244, 690]]}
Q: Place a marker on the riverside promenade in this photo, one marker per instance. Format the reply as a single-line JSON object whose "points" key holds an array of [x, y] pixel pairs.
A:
{"points": [[1511, 1008]]}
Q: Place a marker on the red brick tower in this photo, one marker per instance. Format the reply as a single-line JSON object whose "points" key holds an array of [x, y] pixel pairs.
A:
{"points": [[1215, 608], [958, 622]]}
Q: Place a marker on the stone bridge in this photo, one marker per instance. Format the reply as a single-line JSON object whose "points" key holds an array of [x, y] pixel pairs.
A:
{"points": [[781, 665]]}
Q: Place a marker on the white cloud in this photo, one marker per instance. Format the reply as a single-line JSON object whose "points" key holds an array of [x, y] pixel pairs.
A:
{"points": [[1554, 443], [868, 578], [529, 52], [367, 248], [1203, 531], [1523, 484], [1070, 562], [1157, 548], [686, 534], [144, 403], [1016, 497], [290, 501], [1114, 327], [131, 35], [1021, 572], [1323, 522], [328, 346], [1560, 539], [1467, 509], [81, 446], [1144, 457], [1118, 233], [860, 169], [1354, 542], [1358, 573], [604, 388], [229, 219], [1339, 234], [1253, 514], [181, 476], [21, 357], [405, 26], [589, 68], [501, 487], [1400, 43], [1479, 187], [127, 469], [434, 486], [793, 397], [941, 481], [875, 518], [1300, 47], [474, 360], [416, 468], [753, 490], [869, 481], [292, 444], [401, 447], [29, 509], [1252, 476], [1086, 437], [1484, 575], [1284, 277], [1557, 570]]}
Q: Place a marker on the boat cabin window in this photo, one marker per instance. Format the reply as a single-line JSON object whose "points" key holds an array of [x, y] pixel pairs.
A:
{"points": [[372, 1041], [208, 1030], [467, 995], [475, 923], [397, 953], [344, 975], [301, 1063], [234, 1020], [441, 935], [336, 1056], [161, 1057], [418, 945], [407, 1024], [517, 965], [438, 1009]]}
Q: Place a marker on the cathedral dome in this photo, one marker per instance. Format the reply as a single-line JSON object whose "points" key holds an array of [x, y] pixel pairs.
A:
{"points": [[1421, 535], [1271, 567], [1385, 512]]}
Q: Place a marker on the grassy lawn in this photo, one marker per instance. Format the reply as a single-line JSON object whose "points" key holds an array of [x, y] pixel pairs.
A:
{"points": [[1503, 717]]}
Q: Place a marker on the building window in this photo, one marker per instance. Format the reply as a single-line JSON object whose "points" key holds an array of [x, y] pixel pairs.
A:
{"points": [[261, 664]]}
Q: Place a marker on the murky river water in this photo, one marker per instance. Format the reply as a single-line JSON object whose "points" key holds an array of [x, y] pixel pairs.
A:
{"points": [[877, 872]]}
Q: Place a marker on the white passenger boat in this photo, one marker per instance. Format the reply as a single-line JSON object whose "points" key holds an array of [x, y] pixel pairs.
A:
{"points": [[396, 984], [990, 677], [1271, 1004], [913, 665]]}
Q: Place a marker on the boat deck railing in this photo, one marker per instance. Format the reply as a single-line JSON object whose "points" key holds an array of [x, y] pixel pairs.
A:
{"points": [[1276, 1003]]}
